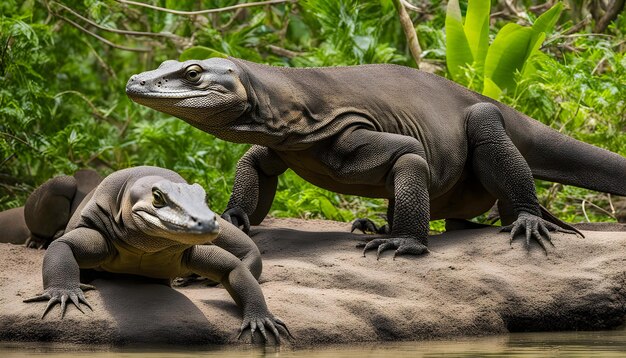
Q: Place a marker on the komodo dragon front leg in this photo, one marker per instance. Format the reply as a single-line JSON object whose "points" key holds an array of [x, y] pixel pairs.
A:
{"points": [[503, 171], [386, 165], [392, 165], [220, 265], [79, 248], [255, 185]]}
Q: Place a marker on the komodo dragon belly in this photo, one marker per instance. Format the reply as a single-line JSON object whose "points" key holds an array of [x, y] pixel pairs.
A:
{"points": [[337, 176], [162, 264]]}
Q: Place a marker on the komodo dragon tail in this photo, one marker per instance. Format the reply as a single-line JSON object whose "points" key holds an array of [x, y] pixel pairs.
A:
{"points": [[558, 158]]}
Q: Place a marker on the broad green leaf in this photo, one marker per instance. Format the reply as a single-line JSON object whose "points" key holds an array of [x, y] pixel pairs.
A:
{"points": [[490, 89], [535, 44], [548, 19], [458, 50], [507, 55], [328, 209], [491, 61], [200, 53], [477, 30]]}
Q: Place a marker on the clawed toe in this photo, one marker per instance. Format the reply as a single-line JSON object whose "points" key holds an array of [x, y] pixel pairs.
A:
{"points": [[403, 246], [61, 296], [534, 227], [262, 324]]}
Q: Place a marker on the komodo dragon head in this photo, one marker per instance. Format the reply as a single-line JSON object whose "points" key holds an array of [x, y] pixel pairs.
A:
{"points": [[175, 211], [207, 93]]}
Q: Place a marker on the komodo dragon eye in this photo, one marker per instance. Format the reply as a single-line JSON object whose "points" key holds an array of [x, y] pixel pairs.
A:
{"points": [[192, 73], [158, 201]]}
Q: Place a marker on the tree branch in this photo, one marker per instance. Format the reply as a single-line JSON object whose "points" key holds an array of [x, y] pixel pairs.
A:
{"points": [[208, 11], [611, 14], [134, 49], [410, 6], [409, 31], [123, 32]]}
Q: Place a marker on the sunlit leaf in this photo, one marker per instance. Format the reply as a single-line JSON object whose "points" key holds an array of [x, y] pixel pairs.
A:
{"points": [[200, 53], [459, 54]]}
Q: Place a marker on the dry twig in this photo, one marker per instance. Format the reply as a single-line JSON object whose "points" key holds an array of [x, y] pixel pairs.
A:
{"points": [[409, 31], [208, 11]]}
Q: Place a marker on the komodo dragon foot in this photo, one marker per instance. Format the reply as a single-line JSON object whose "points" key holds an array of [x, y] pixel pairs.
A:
{"points": [[368, 226], [56, 295], [237, 217], [534, 227], [402, 245], [260, 321], [35, 242]]}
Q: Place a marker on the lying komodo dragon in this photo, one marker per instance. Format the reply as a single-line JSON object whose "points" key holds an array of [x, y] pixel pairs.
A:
{"points": [[435, 149], [47, 210], [148, 221]]}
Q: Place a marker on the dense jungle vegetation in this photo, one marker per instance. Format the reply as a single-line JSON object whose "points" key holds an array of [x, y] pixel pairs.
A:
{"points": [[64, 65]]}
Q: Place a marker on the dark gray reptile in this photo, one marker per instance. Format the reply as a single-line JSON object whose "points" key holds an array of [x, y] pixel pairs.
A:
{"points": [[435, 149], [47, 210], [148, 221]]}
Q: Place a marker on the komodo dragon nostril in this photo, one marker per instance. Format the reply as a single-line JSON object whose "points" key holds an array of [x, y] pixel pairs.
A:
{"points": [[142, 83]]}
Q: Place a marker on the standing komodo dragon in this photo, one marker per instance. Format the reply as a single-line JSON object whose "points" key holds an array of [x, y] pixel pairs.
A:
{"points": [[435, 149], [148, 221]]}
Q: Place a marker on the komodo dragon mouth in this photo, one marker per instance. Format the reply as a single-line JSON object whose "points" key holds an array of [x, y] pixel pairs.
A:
{"points": [[137, 94], [179, 224]]}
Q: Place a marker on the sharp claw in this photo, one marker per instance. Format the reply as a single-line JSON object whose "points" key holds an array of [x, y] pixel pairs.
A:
{"points": [[538, 238], [82, 299], [528, 235], [383, 247], [240, 332], [261, 327], [544, 232], [272, 327], [51, 303], [63, 304], [76, 302], [372, 245], [42, 297], [86, 287], [282, 324], [252, 329]]}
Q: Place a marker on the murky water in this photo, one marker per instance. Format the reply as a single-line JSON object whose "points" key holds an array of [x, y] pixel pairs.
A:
{"points": [[565, 344]]}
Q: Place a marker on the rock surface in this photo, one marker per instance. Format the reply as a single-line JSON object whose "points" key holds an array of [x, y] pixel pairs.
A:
{"points": [[472, 283]]}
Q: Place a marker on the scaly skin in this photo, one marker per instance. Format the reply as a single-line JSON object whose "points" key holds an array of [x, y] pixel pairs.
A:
{"points": [[148, 221], [433, 148], [49, 208]]}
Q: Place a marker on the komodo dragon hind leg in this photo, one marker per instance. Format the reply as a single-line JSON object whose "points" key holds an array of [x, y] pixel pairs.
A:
{"points": [[503, 171], [48, 209]]}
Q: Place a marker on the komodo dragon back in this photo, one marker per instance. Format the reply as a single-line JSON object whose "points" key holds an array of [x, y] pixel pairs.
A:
{"points": [[432, 147]]}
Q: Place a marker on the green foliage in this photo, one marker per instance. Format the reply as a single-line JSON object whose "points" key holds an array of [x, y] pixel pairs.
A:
{"points": [[350, 32], [496, 67], [63, 106]]}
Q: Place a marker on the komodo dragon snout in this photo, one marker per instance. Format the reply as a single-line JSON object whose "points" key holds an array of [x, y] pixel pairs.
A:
{"points": [[177, 211], [209, 92]]}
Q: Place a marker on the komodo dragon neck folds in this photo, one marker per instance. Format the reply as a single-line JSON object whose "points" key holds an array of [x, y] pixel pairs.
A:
{"points": [[148, 221], [435, 149]]}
